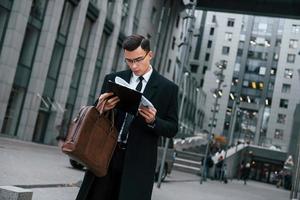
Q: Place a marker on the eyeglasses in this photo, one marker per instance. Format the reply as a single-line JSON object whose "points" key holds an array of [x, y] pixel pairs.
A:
{"points": [[135, 60]]}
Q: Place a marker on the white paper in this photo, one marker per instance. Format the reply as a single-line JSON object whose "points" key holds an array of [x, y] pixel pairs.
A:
{"points": [[145, 102], [120, 81]]}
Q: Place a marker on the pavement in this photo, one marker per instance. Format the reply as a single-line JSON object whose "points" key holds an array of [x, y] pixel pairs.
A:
{"points": [[47, 172]]}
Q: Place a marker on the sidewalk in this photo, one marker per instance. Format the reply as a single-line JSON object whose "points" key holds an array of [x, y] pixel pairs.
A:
{"points": [[46, 171]]}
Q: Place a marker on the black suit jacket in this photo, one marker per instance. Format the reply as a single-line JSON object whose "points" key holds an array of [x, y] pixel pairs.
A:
{"points": [[141, 153]]}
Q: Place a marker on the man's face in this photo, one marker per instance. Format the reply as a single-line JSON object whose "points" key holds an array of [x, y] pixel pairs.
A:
{"points": [[138, 60]]}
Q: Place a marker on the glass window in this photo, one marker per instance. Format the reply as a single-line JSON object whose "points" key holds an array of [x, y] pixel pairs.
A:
{"points": [[207, 56], [66, 18], [293, 44], [237, 67], [204, 69], [230, 22], [262, 70], [4, 14], [55, 60], [49, 89], [77, 72], [177, 21], [169, 65], [119, 60], [228, 36], [278, 43], [13, 110], [209, 43], [262, 27], [273, 71], [239, 52], [86, 33], [242, 38], [290, 58], [288, 73], [173, 42], [197, 50], [281, 118], [29, 45], [103, 45], [245, 83], [295, 28], [94, 1], [278, 134], [275, 56], [212, 30], [225, 50], [125, 10], [283, 103], [271, 86], [194, 68], [137, 14], [261, 85], [94, 84], [214, 19], [38, 8], [286, 88], [153, 15], [110, 9]]}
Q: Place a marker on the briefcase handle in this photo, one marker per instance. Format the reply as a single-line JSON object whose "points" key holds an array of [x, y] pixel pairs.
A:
{"points": [[109, 114]]}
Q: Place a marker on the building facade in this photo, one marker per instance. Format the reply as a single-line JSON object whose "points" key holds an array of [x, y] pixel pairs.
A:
{"points": [[54, 55], [259, 91]]}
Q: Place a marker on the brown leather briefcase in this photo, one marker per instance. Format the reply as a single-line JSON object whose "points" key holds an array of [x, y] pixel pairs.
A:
{"points": [[92, 139]]}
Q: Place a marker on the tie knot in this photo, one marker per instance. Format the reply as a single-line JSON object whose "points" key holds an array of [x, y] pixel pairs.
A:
{"points": [[141, 78]]}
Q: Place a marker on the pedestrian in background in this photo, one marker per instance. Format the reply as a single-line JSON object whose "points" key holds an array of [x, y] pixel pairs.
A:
{"points": [[218, 169], [246, 172]]}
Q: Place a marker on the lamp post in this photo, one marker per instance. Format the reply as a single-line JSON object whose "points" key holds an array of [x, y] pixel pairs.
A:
{"points": [[217, 93], [196, 116], [162, 163]]}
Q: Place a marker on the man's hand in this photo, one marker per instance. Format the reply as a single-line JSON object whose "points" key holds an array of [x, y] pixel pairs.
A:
{"points": [[148, 113], [107, 102]]}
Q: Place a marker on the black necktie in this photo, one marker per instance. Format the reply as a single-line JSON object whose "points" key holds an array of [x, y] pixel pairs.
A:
{"points": [[140, 84], [128, 118]]}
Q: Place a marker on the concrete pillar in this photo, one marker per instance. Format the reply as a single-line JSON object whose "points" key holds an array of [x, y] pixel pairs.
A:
{"points": [[40, 69], [67, 67], [11, 50], [90, 60], [112, 42]]}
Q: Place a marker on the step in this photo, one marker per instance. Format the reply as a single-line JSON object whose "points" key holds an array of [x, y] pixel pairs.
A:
{"points": [[185, 168], [189, 155], [15, 193]]}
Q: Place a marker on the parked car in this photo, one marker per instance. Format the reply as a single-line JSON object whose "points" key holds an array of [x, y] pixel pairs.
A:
{"points": [[168, 165]]}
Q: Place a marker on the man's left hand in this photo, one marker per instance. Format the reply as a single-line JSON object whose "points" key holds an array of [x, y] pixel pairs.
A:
{"points": [[148, 113]]}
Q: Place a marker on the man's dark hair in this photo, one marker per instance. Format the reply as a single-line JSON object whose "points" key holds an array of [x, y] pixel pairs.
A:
{"points": [[132, 42]]}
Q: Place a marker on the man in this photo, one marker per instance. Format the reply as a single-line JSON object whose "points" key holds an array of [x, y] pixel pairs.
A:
{"points": [[132, 168]]}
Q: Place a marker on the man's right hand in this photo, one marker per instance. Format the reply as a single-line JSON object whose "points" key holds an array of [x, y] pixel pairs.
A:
{"points": [[107, 102]]}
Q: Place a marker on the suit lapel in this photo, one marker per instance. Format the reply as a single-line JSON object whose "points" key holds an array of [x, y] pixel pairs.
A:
{"points": [[152, 85]]}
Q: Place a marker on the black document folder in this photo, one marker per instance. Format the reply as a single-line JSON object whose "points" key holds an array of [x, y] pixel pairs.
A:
{"points": [[129, 99]]}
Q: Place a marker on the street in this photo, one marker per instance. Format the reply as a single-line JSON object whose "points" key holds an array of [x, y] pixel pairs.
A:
{"points": [[46, 171]]}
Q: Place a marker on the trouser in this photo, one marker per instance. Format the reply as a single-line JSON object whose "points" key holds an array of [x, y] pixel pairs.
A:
{"points": [[108, 187]]}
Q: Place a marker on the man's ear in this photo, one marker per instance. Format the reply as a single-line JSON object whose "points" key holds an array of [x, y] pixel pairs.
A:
{"points": [[150, 54]]}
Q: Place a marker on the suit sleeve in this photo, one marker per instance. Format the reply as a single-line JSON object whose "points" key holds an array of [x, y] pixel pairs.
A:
{"points": [[168, 125]]}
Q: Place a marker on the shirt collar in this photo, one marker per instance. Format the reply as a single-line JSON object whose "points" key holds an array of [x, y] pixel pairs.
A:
{"points": [[146, 76]]}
